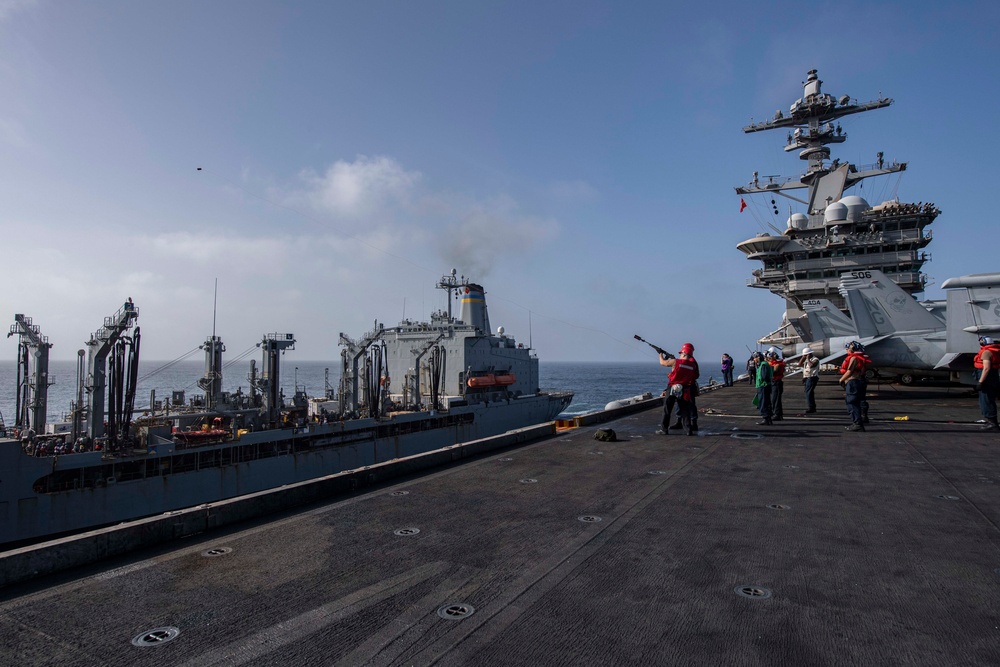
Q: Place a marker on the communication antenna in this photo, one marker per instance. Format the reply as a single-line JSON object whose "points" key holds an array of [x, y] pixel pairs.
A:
{"points": [[215, 304], [529, 330], [215, 310]]}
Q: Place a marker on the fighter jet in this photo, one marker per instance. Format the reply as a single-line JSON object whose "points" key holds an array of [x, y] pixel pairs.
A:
{"points": [[903, 336]]}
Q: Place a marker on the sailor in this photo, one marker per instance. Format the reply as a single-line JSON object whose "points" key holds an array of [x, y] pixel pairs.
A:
{"points": [[683, 386], [762, 381], [752, 369], [777, 383], [810, 376], [727, 370], [853, 381], [987, 361], [672, 399]]}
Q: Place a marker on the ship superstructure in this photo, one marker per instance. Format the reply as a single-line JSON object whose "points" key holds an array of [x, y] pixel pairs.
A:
{"points": [[833, 233], [405, 390]]}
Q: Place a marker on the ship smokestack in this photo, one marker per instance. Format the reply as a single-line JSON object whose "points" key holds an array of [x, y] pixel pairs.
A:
{"points": [[474, 308]]}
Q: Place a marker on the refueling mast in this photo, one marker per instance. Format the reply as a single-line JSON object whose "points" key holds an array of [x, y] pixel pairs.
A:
{"points": [[211, 381], [356, 389], [102, 342], [32, 378], [269, 383]]}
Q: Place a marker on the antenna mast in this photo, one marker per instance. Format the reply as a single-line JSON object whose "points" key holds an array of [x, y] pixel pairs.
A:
{"points": [[215, 306]]}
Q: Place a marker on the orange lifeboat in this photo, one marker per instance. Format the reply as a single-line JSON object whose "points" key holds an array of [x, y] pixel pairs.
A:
{"points": [[506, 379], [205, 435], [481, 381]]}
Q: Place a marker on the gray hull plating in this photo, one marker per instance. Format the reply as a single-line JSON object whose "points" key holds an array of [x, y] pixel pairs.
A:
{"points": [[275, 458]]}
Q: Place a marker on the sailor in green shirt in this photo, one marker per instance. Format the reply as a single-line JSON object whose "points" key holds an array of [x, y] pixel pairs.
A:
{"points": [[765, 376]]}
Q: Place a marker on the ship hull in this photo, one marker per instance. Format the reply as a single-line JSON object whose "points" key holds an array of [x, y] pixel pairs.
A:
{"points": [[87, 491]]}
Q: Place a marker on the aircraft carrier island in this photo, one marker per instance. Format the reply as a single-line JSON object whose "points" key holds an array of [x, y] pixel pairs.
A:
{"points": [[851, 271], [792, 544]]}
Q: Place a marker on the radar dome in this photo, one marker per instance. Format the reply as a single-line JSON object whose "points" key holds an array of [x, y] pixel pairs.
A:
{"points": [[500, 331], [798, 221], [835, 212], [855, 207]]}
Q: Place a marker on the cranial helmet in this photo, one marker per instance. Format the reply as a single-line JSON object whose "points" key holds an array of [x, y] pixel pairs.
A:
{"points": [[854, 346], [757, 354], [807, 351], [687, 348], [985, 340], [771, 350]]}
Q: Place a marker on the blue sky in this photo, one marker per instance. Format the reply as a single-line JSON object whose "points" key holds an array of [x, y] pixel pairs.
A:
{"points": [[577, 158]]}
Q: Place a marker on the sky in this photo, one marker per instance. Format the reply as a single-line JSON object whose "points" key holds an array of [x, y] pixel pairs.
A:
{"points": [[327, 162]]}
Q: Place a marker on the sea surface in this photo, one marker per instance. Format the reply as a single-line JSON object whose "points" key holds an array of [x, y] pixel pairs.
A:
{"points": [[595, 384]]}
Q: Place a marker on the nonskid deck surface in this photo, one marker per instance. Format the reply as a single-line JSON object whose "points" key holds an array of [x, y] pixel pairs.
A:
{"points": [[791, 544]]}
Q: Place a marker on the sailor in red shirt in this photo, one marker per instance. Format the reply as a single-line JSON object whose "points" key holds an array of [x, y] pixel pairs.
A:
{"points": [[987, 362], [854, 383], [683, 385]]}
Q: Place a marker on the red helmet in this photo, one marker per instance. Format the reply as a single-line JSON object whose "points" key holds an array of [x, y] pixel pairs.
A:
{"points": [[687, 348]]}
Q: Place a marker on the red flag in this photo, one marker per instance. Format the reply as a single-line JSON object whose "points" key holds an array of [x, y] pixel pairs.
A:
{"points": [[743, 204]]}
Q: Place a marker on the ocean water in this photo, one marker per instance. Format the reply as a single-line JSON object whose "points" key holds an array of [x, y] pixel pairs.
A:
{"points": [[595, 384]]}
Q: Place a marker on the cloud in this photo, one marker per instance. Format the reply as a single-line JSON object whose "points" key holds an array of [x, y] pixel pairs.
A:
{"points": [[359, 189], [377, 206]]}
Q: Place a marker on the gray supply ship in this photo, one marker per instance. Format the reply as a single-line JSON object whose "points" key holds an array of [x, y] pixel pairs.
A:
{"points": [[404, 390], [835, 233]]}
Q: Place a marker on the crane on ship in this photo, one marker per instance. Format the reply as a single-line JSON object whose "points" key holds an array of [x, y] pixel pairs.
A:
{"points": [[113, 340], [32, 375], [355, 384], [268, 384]]}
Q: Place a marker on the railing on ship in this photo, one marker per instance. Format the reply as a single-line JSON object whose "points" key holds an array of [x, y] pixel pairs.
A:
{"points": [[906, 280], [121, 316], [850, 262]]}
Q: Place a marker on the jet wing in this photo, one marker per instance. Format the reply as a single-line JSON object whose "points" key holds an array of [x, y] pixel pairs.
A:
{"points": [[947, 359], [956, 361]]}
